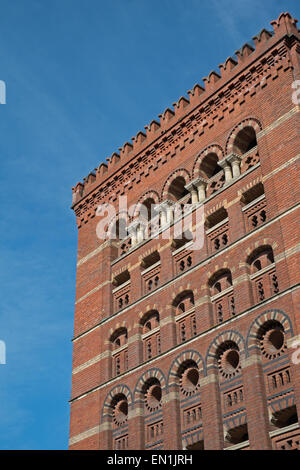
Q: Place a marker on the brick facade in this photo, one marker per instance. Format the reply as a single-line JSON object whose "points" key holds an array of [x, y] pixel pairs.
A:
{"points": [[176, 348]]}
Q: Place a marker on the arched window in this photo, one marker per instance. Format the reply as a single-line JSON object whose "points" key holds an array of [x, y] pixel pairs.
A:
{"points": [[229, 361], [118, 232], [119, 351], [222, 296], [189, 379], [151, 272], [254, 206], [272, 340], [217, 230], [244, 141], [263, 273], [146, 209], [177, 189], [121, 292], [183, 254], [285, 417], [151, 334], [245, 146], [119, 411], [209, 166], [184, 307], [211, 172], [153, 407]]}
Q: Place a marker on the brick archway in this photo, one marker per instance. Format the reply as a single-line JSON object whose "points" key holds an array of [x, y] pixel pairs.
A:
{"points": [[249, 122], [149, 374], [147, 195], [152, 308], [261, 242], [119, 389], [214, 148], [182, 357], [179, 172], [228, 335], [272, 314]]}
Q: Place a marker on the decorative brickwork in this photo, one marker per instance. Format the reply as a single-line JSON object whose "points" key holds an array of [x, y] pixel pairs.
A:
{"points": [[183, 348]]}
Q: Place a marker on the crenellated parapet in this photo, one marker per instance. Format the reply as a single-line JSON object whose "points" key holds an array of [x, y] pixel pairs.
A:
{"points": [[190, 117]]}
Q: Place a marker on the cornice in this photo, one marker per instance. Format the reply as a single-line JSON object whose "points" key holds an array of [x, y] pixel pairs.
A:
{"points": [[190, 120]]}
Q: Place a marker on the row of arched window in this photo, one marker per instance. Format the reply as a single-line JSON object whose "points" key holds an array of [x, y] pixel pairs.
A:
{"points": [[261, 274], [270, 339], [253, 206], [211, 172], [218, 237]]}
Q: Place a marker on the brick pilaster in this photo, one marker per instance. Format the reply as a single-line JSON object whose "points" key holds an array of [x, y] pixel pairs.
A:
{"points": [[136, 427], [211, 412], [171, 417], [256, 403]]}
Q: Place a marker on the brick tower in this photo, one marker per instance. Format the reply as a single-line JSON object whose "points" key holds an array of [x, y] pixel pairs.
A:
{"points": [[183, 348]]}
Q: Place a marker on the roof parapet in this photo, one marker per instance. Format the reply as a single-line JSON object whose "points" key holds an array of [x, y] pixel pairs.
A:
{"points": [[138, 139], [210, 81], [261, 38], [166, 116], [244, 52], [227, 66], [152, 128], [195, 93], [284, 25], [102, 169]]}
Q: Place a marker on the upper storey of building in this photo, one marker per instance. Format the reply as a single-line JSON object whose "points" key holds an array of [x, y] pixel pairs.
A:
{"points": [[199, 118]]}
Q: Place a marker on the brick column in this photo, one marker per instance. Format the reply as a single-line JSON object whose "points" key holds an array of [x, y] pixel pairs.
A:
{"points": [[227, 169], [107, 255], [135, 348], [171, 417], [136, 427], [135, 283], [105, 437], [242, 288], [235, 221], [168, 330], [204, 310], [212, 412], [256, 403], [105, 366], [166, 263]]}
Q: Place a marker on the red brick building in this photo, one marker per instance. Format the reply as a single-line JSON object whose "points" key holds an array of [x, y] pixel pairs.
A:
{"points": [[179, 348]]}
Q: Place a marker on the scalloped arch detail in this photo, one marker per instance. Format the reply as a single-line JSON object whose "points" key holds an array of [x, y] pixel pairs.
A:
{"points": [[182, 357], [272, 314], [124, 389], [149, 374], [228, 335]]}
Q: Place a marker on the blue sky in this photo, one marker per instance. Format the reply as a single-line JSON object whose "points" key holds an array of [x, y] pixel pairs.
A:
{"points": [[82, 77]]}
